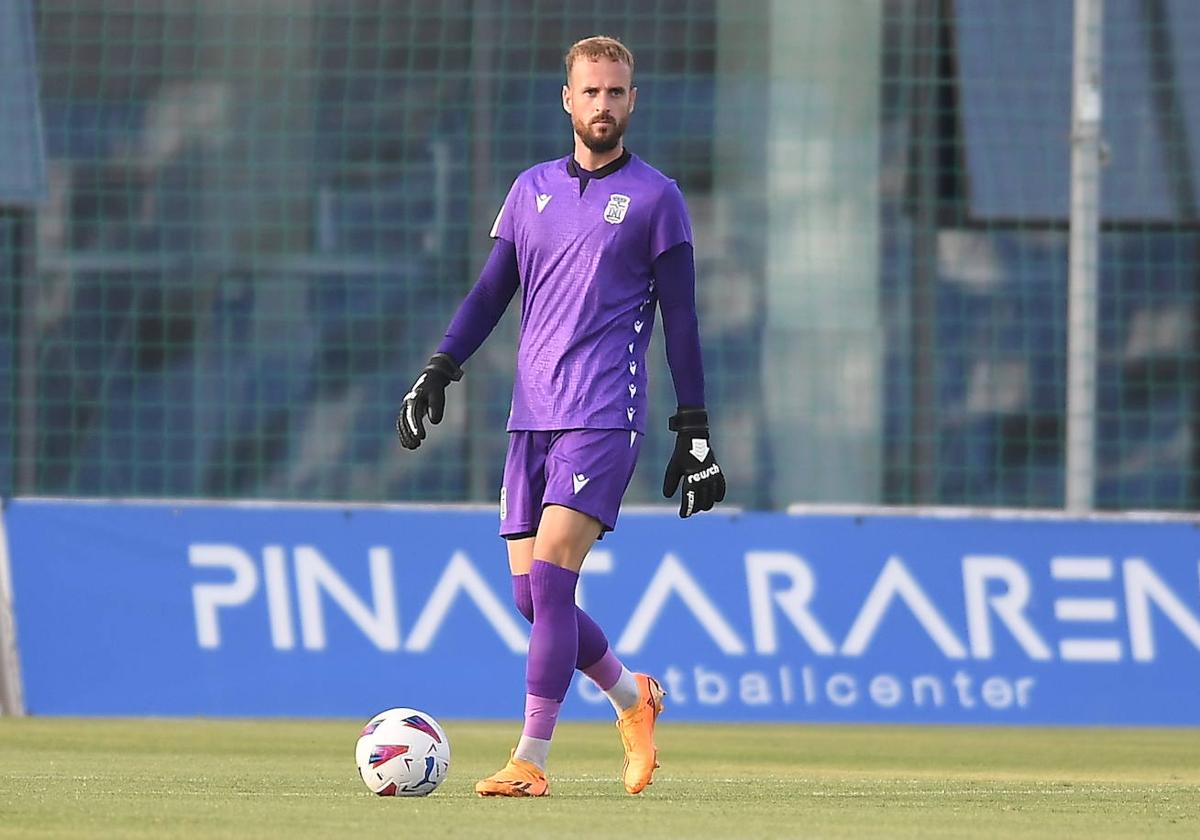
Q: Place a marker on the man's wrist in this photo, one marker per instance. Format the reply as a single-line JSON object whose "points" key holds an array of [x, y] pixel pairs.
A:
{"points": [[689, 419], [443, 364]]}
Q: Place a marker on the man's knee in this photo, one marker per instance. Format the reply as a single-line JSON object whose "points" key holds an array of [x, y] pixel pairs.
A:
{"points": [[565, 536]]}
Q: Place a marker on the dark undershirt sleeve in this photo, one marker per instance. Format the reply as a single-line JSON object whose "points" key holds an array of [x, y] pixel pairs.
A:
{"points": [[675, 279], [479, 313]]}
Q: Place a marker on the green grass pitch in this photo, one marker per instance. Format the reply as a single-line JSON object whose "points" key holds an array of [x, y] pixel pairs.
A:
{"points": [[167, 778]]}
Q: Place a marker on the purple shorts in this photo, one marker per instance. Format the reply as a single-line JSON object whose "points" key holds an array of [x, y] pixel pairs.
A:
{"points": [[587, 470]]}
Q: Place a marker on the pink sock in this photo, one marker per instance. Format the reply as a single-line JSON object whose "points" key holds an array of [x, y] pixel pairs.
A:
{"points": [[540, 716], [606, 671]]}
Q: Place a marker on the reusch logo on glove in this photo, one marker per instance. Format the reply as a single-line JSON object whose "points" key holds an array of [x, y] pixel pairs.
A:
{"points": [[707, 472]]}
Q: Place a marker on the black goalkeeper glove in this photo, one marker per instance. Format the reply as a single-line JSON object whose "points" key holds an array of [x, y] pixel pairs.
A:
{"points": [[427, 396], [693, 463]]}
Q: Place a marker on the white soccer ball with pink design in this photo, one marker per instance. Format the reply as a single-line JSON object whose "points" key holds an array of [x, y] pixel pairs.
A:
{"points": [[402, 752]]}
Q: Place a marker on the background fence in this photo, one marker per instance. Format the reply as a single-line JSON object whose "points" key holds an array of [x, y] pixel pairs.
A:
{"points": [[254, 219]]}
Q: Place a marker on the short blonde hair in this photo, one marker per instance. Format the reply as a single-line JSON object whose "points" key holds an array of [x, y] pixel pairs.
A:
{"points": [[596, 48]]}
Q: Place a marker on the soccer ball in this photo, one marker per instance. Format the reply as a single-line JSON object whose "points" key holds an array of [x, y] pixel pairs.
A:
{"points": [[402, 752]]}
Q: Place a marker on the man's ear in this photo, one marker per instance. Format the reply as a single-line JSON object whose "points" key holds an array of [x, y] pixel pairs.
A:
{"points": [[566, 96], [632, 98]]}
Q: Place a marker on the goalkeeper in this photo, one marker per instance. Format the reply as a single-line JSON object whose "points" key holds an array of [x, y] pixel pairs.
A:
{"points": [[596, 241]]}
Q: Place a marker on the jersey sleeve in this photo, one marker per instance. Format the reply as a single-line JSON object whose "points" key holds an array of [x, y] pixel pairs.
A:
{"points": [[670, 224], [505, 225], [479, 313], [675, 273]]}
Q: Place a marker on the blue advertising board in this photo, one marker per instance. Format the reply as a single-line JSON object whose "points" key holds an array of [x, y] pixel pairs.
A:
{"points": [[206, 609]]}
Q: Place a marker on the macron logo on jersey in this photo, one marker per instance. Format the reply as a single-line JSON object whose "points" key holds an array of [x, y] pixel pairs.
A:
{"points": [[542, 200], [579, 480]]}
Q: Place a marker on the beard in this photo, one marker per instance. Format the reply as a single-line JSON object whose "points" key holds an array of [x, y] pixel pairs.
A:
{"points": [[605, 140]]}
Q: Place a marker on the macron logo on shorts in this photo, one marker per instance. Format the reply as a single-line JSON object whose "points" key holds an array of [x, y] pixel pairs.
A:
{"points": [[579, 480]]}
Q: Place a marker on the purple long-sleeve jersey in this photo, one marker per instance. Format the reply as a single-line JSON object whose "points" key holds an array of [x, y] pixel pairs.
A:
{"points": [[586, 246]]}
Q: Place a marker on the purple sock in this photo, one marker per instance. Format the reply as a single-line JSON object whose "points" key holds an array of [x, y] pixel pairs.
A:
{"points": [[522, 597], [554, 641], [540, 716], [593, 644]]}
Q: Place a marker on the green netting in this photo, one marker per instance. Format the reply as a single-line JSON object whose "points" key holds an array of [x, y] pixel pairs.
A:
{"points": [[261, 214]]}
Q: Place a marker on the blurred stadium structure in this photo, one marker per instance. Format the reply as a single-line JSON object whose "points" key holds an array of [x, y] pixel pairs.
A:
{"points": [[255, 217]]}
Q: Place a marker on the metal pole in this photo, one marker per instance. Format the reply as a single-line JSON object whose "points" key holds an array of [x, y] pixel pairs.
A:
{"points": [[1083, 260], [926, 56], [11, 700]]}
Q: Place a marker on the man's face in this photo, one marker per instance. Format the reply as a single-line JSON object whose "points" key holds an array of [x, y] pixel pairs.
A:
{"points": [[599, 96]]}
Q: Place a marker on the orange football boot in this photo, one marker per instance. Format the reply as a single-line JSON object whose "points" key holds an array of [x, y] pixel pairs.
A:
{"points": [[517, 778], [636, 726]]}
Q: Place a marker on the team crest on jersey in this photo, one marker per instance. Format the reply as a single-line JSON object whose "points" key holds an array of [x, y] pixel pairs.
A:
{"points": [[618, 205]]}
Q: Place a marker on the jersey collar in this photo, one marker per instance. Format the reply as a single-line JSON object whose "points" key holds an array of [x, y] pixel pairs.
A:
{"points": [[585, 176]]}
